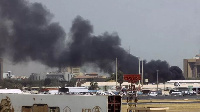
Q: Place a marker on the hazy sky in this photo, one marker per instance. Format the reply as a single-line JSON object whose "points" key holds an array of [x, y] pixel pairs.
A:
{"points": [[153, 29]]}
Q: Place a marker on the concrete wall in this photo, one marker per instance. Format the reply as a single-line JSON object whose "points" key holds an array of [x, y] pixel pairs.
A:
{"points": [[66, 103]]}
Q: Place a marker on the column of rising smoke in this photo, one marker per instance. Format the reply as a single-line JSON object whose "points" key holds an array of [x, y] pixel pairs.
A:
{"points": [[27, 33]]}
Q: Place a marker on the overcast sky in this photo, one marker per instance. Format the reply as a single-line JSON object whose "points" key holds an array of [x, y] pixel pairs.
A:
{"points": [[152, 29]]}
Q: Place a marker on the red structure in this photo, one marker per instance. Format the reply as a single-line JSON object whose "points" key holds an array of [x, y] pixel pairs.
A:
{"points": [[132, 92], [133, 78]]}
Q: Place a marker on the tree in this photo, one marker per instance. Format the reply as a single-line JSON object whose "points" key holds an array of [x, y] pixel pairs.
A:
{"points": [[93, 86], [71, 83], [105, 88], [47, 81], [119, 77]]}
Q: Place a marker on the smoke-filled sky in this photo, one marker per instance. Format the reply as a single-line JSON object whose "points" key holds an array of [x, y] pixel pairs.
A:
{"points": [[156, 29]]}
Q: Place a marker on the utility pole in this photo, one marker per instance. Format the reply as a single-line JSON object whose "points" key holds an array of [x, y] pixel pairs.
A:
{"points": [[157, 80], [139, 64], [142, 73], [116, 74]]}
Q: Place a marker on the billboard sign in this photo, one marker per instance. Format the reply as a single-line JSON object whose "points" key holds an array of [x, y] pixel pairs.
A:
{"points": [[132, 77]]}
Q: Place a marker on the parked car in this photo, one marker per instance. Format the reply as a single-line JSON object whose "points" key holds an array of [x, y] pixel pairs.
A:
{"points": [[165, 93], [131, 92], [153, 93], [139, 93], [189, 92], [176, 93], [192, 92]]}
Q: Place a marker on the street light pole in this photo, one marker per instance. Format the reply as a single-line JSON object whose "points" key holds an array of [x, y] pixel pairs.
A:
{"points": [[139, 64], [142, 74], [157, 80], [116, 74]]}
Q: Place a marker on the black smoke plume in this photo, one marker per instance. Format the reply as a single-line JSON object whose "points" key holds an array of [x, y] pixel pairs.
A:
{"points": [[28, 34], [101, 50], [163, 70]]}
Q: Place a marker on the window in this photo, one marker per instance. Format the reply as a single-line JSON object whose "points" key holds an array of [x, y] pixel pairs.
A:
{"points": [[54, 109], [26, 108]]}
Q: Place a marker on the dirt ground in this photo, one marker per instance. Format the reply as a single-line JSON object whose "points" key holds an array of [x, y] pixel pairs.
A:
{"points": [[173, 107]]}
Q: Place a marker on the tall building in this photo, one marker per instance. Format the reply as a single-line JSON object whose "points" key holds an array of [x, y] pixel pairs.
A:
{"points": [[1, 69], [191, 67], [74, 70], [36, 76]]}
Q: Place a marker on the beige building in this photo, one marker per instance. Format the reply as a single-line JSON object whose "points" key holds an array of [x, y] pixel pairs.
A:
{"points": [[74, 70], [191, 67]]}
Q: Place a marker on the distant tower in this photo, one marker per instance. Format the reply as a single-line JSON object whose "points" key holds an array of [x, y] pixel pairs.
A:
{"points": [[1, 69], [191, 67]]}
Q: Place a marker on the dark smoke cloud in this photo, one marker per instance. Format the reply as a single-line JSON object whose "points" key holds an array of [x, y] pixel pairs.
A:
{"points": [[27, 33], [102, 49], [165, 72]]}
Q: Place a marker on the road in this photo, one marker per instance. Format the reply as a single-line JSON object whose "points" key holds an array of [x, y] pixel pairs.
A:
{"points": [[166, 99], [145, 97]]}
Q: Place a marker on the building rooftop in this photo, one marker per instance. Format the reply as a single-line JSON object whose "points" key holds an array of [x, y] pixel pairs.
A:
{"points": [[85, 77], [184, 81]]}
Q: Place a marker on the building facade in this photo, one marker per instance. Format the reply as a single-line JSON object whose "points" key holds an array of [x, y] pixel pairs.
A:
{"points": [[76, 71], [35, 76], [191, 67], [64, 76]]}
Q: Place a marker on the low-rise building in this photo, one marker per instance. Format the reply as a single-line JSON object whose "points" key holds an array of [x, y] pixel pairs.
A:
{"points": [[36, 76], [64, 76]]}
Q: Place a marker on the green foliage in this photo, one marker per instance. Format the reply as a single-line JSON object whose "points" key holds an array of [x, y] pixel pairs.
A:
{"points": [[11, 84], [47, 81], [119, 77], [18, 84], [54, 82], [93, 86], [72, 82], [105, 88]]}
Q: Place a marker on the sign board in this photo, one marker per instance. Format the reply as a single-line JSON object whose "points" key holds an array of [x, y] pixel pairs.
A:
{"points": [[132, 77], [176, 84]]}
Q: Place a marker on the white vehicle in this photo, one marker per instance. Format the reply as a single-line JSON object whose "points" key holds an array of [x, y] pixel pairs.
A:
{"points": [[189, 92], [153, 93], [192, 92], [176, 93]]}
